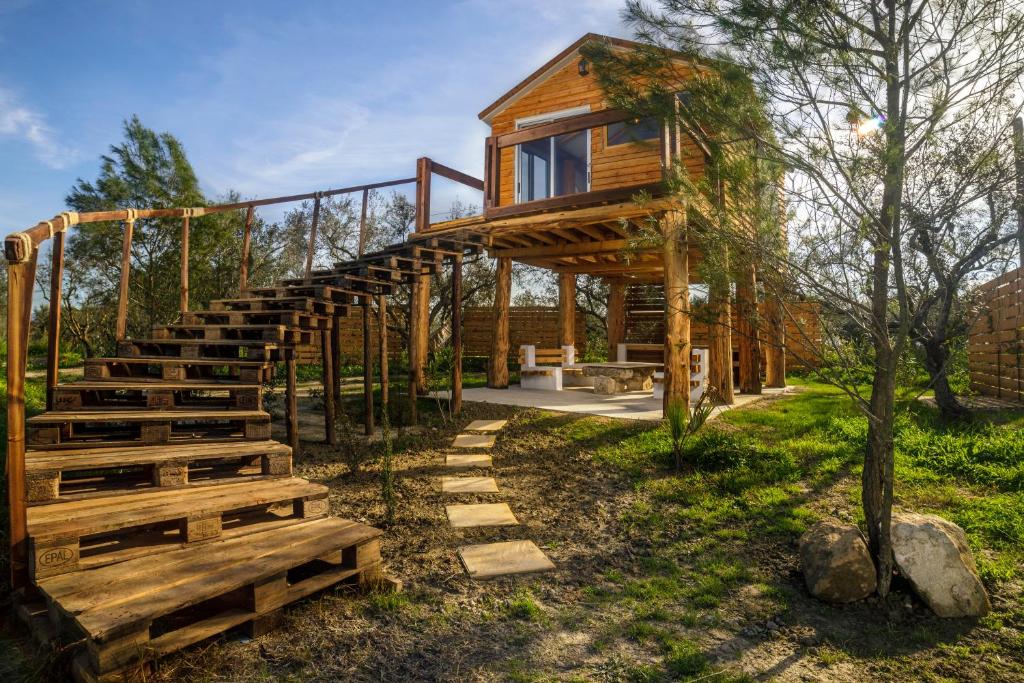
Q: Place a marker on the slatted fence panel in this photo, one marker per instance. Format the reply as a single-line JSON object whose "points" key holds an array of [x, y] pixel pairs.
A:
{"points": [[995, 344], [537, 325]]}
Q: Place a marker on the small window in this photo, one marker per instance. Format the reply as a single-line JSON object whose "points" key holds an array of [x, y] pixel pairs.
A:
{"points": [[633, 131]]}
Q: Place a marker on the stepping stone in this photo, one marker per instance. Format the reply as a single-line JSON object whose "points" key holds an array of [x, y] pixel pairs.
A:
{"points": [[467, 460], [488, 560], [473, 441], [489, 426], [484, 514], [469, 485]]}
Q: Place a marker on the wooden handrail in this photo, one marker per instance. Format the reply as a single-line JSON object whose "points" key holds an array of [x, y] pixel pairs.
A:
{"points": [[425, 168]]}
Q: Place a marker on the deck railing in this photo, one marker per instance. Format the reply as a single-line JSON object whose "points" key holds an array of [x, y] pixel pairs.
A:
{"points": [[21, 250]]}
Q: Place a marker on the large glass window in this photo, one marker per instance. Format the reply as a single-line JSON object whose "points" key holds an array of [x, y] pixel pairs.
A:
{"points": [[554, 166], [633, 131]]}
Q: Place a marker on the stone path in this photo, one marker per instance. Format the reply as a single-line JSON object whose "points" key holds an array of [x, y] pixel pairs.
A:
{"points": [[486, 560]]}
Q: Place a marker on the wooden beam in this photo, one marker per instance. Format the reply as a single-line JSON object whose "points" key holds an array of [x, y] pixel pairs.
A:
{"points": [[577, 201], [327, 360], [616, 316], [457, 176], [53, 332], [367, 372], [457, 335], [677, 309], [183, 304], [121, 329], [497, 364], [564, 249], [243, 271], [566, 309]]}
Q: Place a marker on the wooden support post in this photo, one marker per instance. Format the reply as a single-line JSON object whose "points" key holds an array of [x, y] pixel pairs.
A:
{"points": [[1018, 158], [457, 335], [336, 361], [311, 249], [121, 330], [413, 315], [497, 364], [775, 352], [367, 371], [616, 319], [720, 344], [362, 221], [423, 173], [184, 265], [53, 333], [327, 359], [20, 283], [566, 309], [382, 345], [747, 329], [677, 308], [243, 271], [291, 403], [422, 333]]}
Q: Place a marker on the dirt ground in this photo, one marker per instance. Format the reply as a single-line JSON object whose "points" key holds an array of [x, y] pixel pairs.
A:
{"points": [[563, 625]]}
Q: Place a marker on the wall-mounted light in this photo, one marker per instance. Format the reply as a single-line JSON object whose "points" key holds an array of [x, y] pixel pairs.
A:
{"points": [[584, 67]]}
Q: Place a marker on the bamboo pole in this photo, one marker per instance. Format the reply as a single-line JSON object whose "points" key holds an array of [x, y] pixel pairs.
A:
{"points": [[457, 335], [497, 375], [122, 297], [243, 271], [184, 264], [311, 249], [53, 333], [327, 361], [367, 371], [20, 281]]}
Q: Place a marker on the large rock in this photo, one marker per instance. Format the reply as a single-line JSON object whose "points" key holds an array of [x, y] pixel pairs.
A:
{"points": [[605, 385], [836, 562], [932, 553]]}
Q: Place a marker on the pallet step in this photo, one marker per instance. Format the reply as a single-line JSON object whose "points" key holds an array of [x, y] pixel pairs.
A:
{"points": [[337, 295], [211, 349], [150, 394], [301, 304], [58, 428], [289, 319], [159, 368], [128, 613], [89, 472], [82, 534], [277, 334]]}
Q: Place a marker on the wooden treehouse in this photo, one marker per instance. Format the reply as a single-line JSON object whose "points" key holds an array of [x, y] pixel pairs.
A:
{"points": [[149, 506]]}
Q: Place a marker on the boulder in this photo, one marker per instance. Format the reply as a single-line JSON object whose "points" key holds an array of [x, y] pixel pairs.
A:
{"points": [[932, 553], [836, 562]]}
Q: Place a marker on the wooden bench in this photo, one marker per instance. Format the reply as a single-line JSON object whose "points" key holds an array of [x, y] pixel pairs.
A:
{"points": [[640, 353], [543, 368]]}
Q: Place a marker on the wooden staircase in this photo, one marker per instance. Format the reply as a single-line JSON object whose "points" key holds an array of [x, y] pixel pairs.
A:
{"points": [[160, 511]]}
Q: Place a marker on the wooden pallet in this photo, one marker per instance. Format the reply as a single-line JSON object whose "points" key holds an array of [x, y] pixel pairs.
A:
{"points": [[150, 394], [277, 334], [212, 349], [292, 319], [128, 613], [160, 368], [87, 472], [98, 428], [80, 534], [301, 304], [337, 295]]}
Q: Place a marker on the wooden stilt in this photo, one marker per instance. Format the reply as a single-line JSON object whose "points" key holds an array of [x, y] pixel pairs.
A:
{"points": [[497, 366], [336, 364], [20, 282], [327, 359], [121, 329], [183, 304], [775, 353], [747, 328], [243, 271], [413, 314], [291, 402], [720, 345], [367, 371], [382, 341], [53, 333], [457, 335], [566, 309], [311, 248], [616, 316], [422, 332], [677, 309]]}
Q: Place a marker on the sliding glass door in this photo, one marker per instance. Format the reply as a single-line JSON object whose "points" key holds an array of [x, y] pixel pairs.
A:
{"points": [[554, 166]]}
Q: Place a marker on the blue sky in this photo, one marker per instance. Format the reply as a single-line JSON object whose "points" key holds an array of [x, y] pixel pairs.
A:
{"points": [[268, 97]]}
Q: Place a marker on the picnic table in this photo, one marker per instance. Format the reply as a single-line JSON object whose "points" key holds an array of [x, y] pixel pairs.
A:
{"points": [[620, 377]]}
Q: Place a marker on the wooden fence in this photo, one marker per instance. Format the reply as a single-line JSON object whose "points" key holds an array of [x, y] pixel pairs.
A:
{"points": [[537, 325], [995, 344]]}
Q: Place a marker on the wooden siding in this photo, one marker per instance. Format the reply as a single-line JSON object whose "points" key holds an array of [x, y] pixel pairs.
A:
{"points": [[995, 346], [611, 167]]}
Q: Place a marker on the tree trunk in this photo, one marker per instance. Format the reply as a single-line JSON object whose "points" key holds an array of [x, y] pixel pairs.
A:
{"points": [[936, 362], [877, 478]]}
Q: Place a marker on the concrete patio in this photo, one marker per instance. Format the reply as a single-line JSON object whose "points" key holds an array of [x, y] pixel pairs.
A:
{"points": [[636, 405]]}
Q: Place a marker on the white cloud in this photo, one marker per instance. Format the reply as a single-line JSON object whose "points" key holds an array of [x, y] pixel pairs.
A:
{"points": [[26, 125]]}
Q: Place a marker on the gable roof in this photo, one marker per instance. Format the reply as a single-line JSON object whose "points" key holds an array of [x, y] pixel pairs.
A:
{"points": [[551, 66]]}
